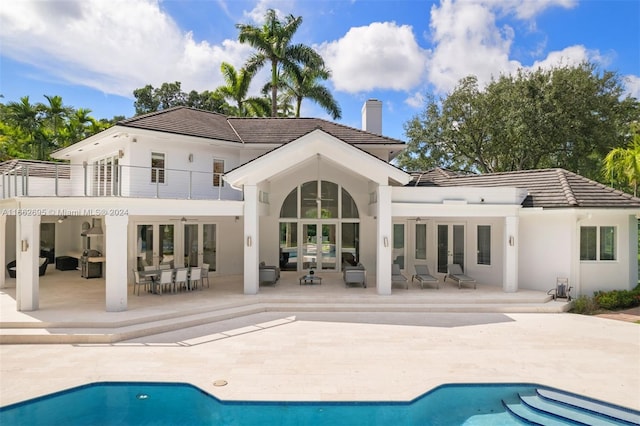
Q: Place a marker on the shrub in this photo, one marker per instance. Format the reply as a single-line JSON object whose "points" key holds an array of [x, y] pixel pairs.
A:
{"points": [[584, 305], [618, 299]]}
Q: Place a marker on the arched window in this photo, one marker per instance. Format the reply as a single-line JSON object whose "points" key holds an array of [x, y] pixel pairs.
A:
{"points": [[319, 200]]}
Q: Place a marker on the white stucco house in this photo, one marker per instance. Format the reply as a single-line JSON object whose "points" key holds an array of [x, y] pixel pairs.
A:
{"points": [[199, 187]]}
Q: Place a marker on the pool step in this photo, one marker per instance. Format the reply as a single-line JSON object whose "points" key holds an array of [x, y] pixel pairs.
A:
{"points": [[607, 411], [549, 407], [531, 417]]}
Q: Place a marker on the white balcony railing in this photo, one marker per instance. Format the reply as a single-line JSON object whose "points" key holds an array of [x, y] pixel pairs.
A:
{"points": [[47, 179]]}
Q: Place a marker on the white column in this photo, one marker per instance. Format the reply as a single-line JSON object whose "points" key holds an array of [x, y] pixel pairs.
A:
{"points": [[116, 264], [250, 242], [510, 272], [384, 241], [3, 249], [27, 262]]}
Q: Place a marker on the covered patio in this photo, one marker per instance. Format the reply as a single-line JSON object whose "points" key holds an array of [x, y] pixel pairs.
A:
{"points": [[72, 308]]}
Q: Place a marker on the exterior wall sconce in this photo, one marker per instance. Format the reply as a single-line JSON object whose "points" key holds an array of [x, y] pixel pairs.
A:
{"points": [[385, 241], [183, 220], [512, 241], [249, 242], [120, 153], [191, 158], [25, 245], [418, 219]]}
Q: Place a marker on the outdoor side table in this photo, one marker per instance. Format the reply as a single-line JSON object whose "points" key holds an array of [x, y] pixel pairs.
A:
{"points": [[310, 279]]}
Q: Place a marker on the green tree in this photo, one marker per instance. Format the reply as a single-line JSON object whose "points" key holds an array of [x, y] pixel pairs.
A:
{"points": [[304, 84], [566, 117], [26, 118], [169, 95], [622, 165], [273, 44], [32, 131], [236, 89], [54, 116]]}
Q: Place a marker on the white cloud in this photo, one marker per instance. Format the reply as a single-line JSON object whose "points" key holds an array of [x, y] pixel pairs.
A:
{"points": [[568, 56], [382, 55], [468, 40], [529, 8], [256, 15], [113, 46], [417, 100]]}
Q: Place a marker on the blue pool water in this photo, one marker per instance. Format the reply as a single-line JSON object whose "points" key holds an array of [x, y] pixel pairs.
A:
{"points": [[182, 404]]}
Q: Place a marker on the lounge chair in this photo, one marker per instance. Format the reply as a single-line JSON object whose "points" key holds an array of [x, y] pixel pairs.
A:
{"points": [[397, 277], [42, 267], [424, 277], [268, 275], [354, 275], [454, 271]]}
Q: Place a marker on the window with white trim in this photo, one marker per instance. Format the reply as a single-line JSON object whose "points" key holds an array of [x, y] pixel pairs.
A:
{"points": [[218, 171], [598, 243], [157, 167]]}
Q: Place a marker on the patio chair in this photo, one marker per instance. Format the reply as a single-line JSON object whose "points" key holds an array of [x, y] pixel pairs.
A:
{"points": [[146, 283], [397, 277], [205, 274], [166, 280], [195, 277], [454, 271], [180, 279], [424, 277], [354, 275]]}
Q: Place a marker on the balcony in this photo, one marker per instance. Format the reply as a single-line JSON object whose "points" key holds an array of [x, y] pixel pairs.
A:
{"points": [[27, 178]]}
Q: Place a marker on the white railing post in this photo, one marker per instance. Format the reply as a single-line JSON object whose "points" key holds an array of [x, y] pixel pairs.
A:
{"points": [[84, 171], [119, 180], [56, 181], [25, 181]]}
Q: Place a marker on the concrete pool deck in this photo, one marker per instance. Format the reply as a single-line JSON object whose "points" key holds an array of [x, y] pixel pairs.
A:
{"points": [[349, 356]]}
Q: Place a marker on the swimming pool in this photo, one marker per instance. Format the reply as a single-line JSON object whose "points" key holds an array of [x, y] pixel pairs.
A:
{"points": [[122, 403]]}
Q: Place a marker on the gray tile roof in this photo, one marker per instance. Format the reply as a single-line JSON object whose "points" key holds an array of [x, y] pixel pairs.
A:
{"points": [[185, 121], [548, 188], [211, 125]]}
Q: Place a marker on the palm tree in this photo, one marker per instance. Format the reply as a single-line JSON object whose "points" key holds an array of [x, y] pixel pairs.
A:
{"points": [[272, 42], [55, 115], [305, 85], [237, 86], [26, 117], [625, 163], [78, 125]]}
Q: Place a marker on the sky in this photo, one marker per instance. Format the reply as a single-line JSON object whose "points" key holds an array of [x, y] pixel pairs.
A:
{"points": [[94, 53]]}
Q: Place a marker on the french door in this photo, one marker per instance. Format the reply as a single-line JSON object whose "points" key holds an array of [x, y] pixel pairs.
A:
{"points": [[199, 244], [451, 241], [155, 243], [191, 244], [319, 246]]}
